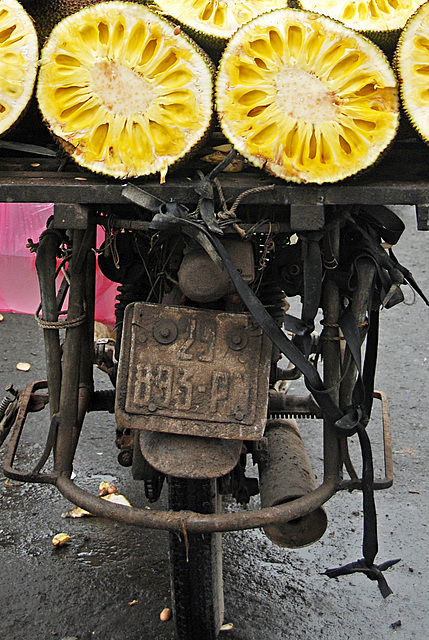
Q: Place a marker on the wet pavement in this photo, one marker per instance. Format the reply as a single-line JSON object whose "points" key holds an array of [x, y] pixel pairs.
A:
{"points": [[111, 582]]}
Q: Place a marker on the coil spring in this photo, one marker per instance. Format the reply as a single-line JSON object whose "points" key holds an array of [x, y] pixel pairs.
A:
{"points": [[4, 405], [127, 293], [274, 300], [151, 490]]}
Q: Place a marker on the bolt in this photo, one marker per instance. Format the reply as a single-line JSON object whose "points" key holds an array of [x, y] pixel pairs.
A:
{"points": [[294, 269], [236, 339], [239, 415], [125, 458], [165, 331], [152, 406], [11, 389]]}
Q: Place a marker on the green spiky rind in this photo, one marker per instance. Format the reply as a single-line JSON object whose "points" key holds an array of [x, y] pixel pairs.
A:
{"points": [[262, 163], [385, 40], [70, 149], [212, 45], [407, 129], [402, 49], [30, 52], [188, 35]]}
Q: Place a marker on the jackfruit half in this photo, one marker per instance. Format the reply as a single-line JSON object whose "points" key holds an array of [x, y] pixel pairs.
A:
{"points": [[412, 66], [18, 62], [305, 97], [380, 20], [124, 92], [212, 22], [47, 13]]}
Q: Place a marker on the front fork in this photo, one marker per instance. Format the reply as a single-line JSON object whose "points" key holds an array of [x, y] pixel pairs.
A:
{"points": [[69, 368]]}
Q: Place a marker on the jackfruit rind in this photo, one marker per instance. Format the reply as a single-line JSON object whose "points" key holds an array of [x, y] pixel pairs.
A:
{"points": [[125, 93], [412, 66], [212, 22], [305, 97], [18, 62]]}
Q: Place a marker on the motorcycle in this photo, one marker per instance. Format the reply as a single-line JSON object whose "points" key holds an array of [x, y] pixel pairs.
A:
{"points": [[202, 366]]}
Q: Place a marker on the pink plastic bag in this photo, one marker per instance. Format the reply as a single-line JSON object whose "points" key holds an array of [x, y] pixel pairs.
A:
{"points": [[19, 289]]}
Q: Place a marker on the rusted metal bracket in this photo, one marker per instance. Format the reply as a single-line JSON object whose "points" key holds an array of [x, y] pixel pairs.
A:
{"points": [[28, 401], [379, 483], [290, 406], [422, 211], [305, 407], [70, 216], [307, 217]]}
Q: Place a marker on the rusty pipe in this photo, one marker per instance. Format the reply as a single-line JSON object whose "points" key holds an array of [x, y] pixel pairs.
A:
{"points": [[196, 522], [46, 272], [163, 520], [285, 475]]}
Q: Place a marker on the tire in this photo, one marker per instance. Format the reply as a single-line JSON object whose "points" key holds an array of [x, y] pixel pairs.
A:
{"points": [[196, 565]]}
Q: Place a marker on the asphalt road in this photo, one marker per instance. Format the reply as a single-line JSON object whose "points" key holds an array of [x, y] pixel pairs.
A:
{"points": [[111, 581]]}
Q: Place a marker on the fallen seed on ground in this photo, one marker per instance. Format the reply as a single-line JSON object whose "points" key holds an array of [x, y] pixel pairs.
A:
{"points": [[23, 366], [165, 614]]}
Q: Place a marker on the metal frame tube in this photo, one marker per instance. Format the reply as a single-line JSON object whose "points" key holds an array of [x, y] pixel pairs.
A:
{"points": [[195, 522], [71, 414], [331, 353], [46, 271]]}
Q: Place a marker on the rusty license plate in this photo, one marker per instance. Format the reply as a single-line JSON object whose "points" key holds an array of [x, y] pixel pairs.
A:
{"points": [[193, 371]]}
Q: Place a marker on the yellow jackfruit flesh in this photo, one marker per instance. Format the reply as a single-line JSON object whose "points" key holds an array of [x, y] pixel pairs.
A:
{"points": [[305, 97], [47, 13], [412, 66], [18, 62], [123, 91], [381, 20], [365, 15], [212, 22]]}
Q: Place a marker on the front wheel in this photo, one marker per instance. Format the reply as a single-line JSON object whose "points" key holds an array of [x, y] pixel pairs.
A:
{"points": [[196, 563]]}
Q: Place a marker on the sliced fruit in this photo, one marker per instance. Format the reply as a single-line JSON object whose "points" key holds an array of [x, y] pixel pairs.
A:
{"points": [[122, 91], [212, 22], [412, 66], [47, 13], [381, 20], [18, 62], [305, 97]]}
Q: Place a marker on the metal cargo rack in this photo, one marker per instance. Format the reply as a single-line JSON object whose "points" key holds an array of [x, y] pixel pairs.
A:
{"points": [[400, 178]]}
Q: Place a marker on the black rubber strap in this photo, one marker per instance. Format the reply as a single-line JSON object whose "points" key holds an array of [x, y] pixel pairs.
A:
{"points": [[347, 422], [312, 283], [388, 225], [278, 337], [408, 277]]}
